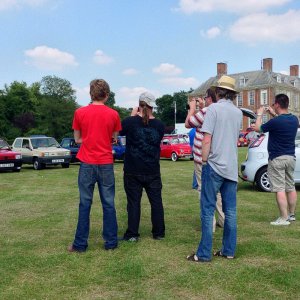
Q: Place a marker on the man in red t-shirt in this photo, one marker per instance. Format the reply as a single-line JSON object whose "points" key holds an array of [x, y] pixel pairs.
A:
{"points": [[94, 126]]}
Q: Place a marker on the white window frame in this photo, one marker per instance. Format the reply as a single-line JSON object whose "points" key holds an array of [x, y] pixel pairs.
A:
{"points": [[251, 98], [239, 99], [242, 81], [296, 101], [264, 97], [278, 78]]}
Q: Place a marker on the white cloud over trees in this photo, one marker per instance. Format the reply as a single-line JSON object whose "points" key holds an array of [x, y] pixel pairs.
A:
{"points": [[47, 58]]}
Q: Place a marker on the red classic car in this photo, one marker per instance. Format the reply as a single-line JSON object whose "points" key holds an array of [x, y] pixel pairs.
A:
{"points": [[9, 160], [174, 147]]}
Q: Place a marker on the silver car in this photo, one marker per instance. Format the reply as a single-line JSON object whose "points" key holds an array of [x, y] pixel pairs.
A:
{"points": [[254, 168]]}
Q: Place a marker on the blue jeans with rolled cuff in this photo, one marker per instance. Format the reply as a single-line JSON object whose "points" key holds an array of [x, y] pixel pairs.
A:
{"points": [[211, 184], [88, 176]]}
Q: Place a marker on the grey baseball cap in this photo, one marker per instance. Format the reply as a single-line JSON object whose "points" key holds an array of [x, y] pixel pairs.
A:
{"points": [[148, 98]]}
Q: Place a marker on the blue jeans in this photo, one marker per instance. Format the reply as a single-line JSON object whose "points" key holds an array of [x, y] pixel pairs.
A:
{"points": [[211, 184], [133, 185], [88, 176], [194, 183]]}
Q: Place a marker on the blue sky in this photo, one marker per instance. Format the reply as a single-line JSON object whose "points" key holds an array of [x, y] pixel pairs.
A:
{"points": [[161, 46]]}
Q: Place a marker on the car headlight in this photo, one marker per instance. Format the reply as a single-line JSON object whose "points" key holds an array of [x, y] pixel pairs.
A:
{"points": [[45, 154], [67, 153], [18, 156]]}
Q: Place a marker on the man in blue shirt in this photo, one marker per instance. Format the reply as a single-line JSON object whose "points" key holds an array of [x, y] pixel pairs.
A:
{"points": [[281, 147]]}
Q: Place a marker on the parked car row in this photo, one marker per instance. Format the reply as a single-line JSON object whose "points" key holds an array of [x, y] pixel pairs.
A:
{"points": [[41, 150], [9, 159], [118, 148]]}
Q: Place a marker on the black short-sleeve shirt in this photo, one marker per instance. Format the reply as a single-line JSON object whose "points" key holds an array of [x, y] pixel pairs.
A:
{"points": [[142, 145]]}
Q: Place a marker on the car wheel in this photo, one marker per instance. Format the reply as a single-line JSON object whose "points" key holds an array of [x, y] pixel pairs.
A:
{"points": [[37, 165], [262, 180], [174, 156], [65, 165]]}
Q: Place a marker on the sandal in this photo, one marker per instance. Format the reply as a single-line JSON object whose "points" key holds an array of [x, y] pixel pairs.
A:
{"points": [[219, 253], [193, 257]]}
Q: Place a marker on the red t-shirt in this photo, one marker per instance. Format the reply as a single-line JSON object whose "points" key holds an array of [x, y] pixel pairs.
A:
{"points": [[96, 123]]}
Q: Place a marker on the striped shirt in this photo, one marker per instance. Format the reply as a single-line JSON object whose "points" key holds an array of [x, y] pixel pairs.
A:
{"points": [[196, 121]]}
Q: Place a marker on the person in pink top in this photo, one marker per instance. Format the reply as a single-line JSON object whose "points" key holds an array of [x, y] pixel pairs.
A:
{"points": [[94, 127]]}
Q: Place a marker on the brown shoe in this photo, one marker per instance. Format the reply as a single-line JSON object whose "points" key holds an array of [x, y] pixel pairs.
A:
{"points": [[72, 249]]}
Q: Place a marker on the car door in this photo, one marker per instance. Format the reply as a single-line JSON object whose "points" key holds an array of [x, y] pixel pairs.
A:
{"points": [[164, 148], [26, 151]]}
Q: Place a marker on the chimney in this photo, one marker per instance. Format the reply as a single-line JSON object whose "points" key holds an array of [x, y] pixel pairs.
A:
{"points": [[267, 64], [221, 69], [294, 70]]}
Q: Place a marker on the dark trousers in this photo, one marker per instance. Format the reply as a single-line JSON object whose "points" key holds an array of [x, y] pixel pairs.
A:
{"points": [[133, 185]]}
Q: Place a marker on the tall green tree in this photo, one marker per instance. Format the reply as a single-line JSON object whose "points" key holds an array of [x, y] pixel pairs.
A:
{"points": [[165, 109], [57, 88], [18, 109], [55, 108], [168, 106]]}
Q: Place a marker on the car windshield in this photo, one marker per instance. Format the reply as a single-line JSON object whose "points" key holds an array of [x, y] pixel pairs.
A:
{"points": [[4, 145], [180, 140], [44, 142], [123, 141]]}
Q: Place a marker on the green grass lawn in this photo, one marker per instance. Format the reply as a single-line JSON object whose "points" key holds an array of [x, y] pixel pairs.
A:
{"points": [[38, 218]]}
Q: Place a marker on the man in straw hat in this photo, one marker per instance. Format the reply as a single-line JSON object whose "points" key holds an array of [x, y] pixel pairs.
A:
{"points": [[219, 170], [195, 120]]}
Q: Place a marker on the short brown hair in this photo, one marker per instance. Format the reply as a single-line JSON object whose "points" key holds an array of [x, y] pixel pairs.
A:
{"points": [[282, 100], [211, 93], [99, 89]]}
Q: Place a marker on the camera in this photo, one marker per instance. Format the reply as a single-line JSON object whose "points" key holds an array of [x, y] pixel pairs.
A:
{"points": [[197, 104]]}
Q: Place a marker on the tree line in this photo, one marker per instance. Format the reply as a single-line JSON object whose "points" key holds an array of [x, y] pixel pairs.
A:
{"points": [[47, 107]]}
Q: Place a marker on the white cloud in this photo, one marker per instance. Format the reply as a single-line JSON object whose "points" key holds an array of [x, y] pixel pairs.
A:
{"points": [[211, 33], [167, 69], [16, 4], [129, 97], [283, 72], [130, 72], [101, 58], [83, 95], [180, 82], [194, 6], [47, 58], [262, 27]]}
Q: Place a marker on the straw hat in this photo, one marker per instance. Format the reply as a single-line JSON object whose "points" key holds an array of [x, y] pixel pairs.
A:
{"points": [[226, 82]]}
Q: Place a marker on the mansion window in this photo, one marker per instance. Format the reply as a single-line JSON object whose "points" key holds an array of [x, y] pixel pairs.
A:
{"points": [[240, 99], [296, 102], [263, 97], [251, 98], [278, 78]]}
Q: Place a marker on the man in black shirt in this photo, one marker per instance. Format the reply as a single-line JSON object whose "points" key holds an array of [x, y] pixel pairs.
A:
{"points": [[141, 167]]}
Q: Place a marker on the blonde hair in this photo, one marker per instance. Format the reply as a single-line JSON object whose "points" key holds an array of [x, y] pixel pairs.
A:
{"points": [[145, 111]]}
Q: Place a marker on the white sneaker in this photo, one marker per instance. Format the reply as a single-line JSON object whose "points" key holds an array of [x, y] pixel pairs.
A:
{"points": [[291, 217], [280, 222]]}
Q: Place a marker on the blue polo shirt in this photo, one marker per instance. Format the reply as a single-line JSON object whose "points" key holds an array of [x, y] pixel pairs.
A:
{"points": [[282, 133]]}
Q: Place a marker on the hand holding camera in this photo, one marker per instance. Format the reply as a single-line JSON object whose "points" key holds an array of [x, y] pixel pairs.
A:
{"points": [[195, 104]]}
